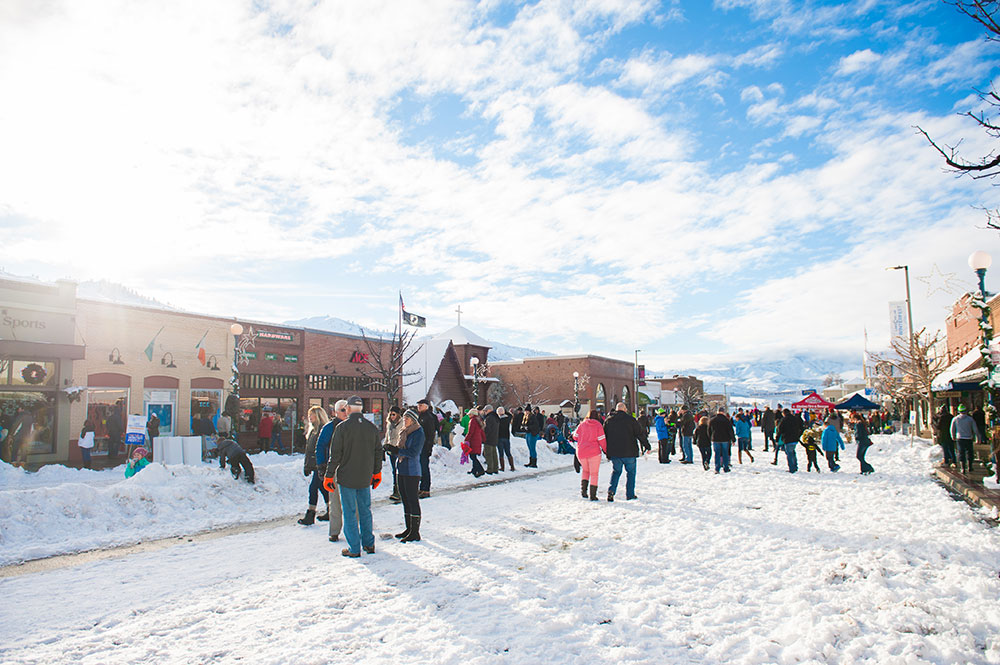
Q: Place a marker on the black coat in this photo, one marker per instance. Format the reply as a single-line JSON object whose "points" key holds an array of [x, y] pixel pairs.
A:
{"points": [[720, 429], [229, 451], [943, 422], [504, 431], [767, 421], [701, 437], [492, 427], [790, 429], [687, 424], [622, 434], [535, 423], [429, 423]]}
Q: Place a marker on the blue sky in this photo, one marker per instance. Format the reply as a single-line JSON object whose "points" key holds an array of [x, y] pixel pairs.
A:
{"points": [[706, 181]]}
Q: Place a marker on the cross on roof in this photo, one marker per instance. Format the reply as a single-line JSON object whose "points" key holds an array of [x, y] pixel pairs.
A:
{"points": [[459, 310]]}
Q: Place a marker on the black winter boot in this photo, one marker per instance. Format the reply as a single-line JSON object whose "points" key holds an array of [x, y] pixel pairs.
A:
{"points": [[309, 519], [583, 488], [611, 496], [532, 462], [325, 517], [593, 492], [405, 531], [414, 534]]}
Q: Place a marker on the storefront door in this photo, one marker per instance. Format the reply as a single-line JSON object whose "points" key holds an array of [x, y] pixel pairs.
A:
{"points": [[164, 404]]}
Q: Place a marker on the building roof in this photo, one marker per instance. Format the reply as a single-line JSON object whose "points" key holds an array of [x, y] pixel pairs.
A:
{"points": [[521, 361], [460, 335], [424, 365], [945, 379]]}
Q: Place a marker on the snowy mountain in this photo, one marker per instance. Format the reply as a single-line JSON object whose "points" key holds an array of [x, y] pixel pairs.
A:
{"points": [[768, 377], [498, 350], [112, 292]]}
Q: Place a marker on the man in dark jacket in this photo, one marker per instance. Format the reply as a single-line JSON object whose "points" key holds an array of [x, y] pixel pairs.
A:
{"points": [[687, 436], [623, 435], [720, 431], [534, 424], [789, 430], [767, 426], [230, 451], [643, 420], [491, 422], [943, 426], [356, 464], [429, 423]]}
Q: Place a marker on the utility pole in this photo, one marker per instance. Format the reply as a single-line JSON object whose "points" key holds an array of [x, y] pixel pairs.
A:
{"points": [[635, 383], [909, 320]]}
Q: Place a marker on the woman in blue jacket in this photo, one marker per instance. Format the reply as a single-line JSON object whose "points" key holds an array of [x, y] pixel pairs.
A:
{"points": [[411, 443], [743, 433], [831, 439], [662, 436]]}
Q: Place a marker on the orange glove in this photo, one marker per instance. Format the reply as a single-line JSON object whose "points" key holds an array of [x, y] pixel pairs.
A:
{"points": [[376, 479], [329, 484]]}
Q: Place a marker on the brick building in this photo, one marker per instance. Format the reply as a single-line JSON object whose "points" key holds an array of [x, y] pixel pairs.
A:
{"points": [[962, 325], [548, 382]]}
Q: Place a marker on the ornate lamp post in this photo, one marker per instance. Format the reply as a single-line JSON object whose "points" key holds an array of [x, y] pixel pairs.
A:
{"points": [[576, 395], [474, 361], [237, 330], [980, 261]]}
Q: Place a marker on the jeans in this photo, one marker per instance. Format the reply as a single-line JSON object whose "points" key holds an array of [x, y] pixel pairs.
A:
{"points": [[616, 465], [531, 439], [793, 462], [357, 506], [408, 493], [722, 451], [425, 469], [948, 446], [316, 488], [965, 452], [862, 451], [686, 452], [831, 460], [393, 457], [504, 451], [85, 452], [276, 441]]}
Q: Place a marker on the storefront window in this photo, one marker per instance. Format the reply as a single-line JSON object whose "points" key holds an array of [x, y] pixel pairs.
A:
{"points": [[206, 402], [626, 397], [106, 410], [288, 408], [249, 414], [377, 411], [27, 419], [601, 397], [32, 373], [162, 402]]}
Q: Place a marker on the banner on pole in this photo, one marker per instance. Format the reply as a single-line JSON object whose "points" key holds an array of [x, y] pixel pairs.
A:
{"points": [[898, 323]]}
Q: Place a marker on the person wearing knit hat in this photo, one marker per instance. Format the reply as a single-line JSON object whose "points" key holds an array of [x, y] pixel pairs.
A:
{"points": [[410, 445], [491, 440], [137, 463], [393, 427]]}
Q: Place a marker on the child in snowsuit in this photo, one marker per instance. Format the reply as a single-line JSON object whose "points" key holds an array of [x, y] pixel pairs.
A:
{"points": [[237, 457], [811, 445], [832, 439], [137, 463], [662, 436]]}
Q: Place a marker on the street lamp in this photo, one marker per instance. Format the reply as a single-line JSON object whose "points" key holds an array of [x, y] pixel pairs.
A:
{"points": [[237, 330], [980, 261], [474, 361], [635, 384], [909, 318], [576, 395]]}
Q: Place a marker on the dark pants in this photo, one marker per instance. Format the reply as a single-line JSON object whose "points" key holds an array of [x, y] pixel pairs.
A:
{"points": [[504, 446], [393, 457], [477, 467], [862, 451], [768, 438], [965, 453], [948, 446], [811, 459], [408, 488], [86, 457], [241, 461], [114, 443], [831, 459], [706, 455], [425, 468], [315, 488]]}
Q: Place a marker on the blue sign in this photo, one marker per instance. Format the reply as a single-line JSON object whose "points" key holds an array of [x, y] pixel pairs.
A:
{"points": [[135, 439], [809, 392]]}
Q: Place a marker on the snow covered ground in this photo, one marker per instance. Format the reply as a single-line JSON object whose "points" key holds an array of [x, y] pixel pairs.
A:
{"points": [[757, 566], [58, 510]]}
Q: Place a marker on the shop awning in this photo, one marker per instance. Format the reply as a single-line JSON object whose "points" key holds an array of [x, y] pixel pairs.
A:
{"points": [[955, 373], [13, 348], [858, 402]]}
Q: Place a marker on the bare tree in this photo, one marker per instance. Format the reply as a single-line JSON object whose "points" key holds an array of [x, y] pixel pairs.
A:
{"points": [[521, 392], [915, 371], [832, 379], [987, 14], [386, 360], [692, 396]]}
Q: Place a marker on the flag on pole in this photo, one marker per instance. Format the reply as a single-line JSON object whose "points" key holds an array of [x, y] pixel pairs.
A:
{"points": [[152, 345], [411, 319], [201, 349]]}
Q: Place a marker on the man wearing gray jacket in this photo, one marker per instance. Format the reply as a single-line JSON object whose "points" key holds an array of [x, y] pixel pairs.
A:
{"points": [[963, 432], [356, 464]]}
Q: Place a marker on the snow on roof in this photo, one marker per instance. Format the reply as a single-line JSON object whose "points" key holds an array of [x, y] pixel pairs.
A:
{"points": [[419, 371], [461, 335], [963, 364]]}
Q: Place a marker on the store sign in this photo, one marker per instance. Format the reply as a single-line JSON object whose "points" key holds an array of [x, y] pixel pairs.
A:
{"points": [[359, 358], [135, 431], [270, 356], [277, 336], [291, 359], [33, 326], [251, 355]]}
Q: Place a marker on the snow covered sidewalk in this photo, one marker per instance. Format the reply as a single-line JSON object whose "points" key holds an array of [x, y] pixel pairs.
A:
{"points": [[757, 566], [61, 510]]}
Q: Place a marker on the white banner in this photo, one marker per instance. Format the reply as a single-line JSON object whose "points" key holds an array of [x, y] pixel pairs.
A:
{"points": [[898, 324]]}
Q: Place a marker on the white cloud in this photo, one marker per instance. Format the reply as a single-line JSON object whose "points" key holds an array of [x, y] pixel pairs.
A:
{"points": [[858, 61]]}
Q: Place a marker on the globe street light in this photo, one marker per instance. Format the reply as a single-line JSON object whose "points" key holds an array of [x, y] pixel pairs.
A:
{"points": [[474, 361], [980, 261], [576, 394], [237, 330]]}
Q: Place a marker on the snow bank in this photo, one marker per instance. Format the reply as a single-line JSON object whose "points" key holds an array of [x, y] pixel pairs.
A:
{"points": [[57, 510]]}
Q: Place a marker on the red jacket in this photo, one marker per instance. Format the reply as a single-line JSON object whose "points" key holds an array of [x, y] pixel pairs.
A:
{"points": [[264, 429], [474, 437]]}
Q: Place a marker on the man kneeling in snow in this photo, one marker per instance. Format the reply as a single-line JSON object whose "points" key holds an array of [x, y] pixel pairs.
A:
{"points": [[229, 449]]}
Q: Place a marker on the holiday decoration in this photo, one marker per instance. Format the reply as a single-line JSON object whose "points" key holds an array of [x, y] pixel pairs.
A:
{"points": [[33, 374]]}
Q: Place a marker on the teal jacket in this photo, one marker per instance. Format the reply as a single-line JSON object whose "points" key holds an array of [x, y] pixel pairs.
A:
{"points": [[132, 469], [831, 439]]}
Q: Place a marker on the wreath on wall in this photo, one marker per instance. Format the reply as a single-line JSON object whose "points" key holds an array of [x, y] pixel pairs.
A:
{"points": [[33, 374]]}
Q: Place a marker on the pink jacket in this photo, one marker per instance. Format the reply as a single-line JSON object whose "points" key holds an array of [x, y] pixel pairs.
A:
{"points": [[589, 437], [475, 435]]}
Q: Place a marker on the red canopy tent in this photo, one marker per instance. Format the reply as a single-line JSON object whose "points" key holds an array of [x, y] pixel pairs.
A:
{"points": [[813, 402]]}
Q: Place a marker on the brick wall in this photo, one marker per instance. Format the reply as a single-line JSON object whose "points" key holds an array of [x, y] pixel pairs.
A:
{"points": [[962, 326]]}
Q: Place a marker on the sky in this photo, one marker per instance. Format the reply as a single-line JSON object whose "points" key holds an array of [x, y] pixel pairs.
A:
{"points": [[704, 181]]}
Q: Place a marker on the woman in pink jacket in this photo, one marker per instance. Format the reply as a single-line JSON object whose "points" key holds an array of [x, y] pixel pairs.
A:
{"points": [[474, 438], [590, 444]]}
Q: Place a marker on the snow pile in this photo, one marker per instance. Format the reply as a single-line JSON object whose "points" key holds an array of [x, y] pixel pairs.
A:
{"points": [[58, 509], [753, 567]]}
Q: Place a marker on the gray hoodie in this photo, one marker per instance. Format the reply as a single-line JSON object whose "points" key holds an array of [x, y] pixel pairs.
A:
{"points": [[964, 427]]}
